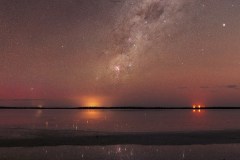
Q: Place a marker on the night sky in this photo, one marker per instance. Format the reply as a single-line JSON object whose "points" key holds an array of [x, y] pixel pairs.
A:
{"points": [[120, 52]]}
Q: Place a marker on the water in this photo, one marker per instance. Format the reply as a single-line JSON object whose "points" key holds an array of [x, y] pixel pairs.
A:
{"points": [[129, 152], [121, 121], [154, 121]]}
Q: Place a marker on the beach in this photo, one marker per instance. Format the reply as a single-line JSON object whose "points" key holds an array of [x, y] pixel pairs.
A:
{"points": [[31, 138], [110, 134]]}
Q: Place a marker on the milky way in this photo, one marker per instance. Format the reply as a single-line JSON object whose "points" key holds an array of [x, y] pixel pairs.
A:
{"points": [[129, 52], [142, 24]]}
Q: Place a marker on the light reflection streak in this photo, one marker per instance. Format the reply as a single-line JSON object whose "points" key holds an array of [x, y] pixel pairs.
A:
{"points": [[90, 115], [38, 113]]}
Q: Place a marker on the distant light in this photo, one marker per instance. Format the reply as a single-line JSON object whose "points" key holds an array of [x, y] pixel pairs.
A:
{"points": [[92, 102], [224, 24], [197, 107]]}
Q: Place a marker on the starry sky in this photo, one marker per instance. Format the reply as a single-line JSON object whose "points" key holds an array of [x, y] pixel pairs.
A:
{"points": [[120, 52]]}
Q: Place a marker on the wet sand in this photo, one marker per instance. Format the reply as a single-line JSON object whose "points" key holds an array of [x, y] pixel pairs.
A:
{"points": [[31, 138]]}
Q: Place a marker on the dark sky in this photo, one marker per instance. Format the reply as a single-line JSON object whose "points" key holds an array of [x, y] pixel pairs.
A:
{"points": [[120, 52]]}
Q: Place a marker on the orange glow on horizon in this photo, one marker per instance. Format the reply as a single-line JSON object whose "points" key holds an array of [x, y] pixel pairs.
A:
{"points": [[93, 101]]}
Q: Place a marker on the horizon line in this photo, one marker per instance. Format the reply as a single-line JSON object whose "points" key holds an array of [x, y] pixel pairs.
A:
{"points": [[103, 107], [119, 108]]}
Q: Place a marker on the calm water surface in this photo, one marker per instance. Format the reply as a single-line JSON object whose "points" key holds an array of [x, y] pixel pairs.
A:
{"points": [[122, 121]]}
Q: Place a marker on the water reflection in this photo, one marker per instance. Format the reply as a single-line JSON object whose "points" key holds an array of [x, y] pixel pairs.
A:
{"points": [[90, 114], [197, 110], [132, 121], [128, 152], [38, 113]]}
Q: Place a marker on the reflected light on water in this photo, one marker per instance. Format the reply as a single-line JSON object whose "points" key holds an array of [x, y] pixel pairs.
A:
{"points": [[90, 114], [92, 101], [197, 111], [38, 113], [197, 108], [93, 114]]}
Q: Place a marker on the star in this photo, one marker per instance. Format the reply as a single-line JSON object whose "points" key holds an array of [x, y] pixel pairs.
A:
{"points": [[117, 68]]}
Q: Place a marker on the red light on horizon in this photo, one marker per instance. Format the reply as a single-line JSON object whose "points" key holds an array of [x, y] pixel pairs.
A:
{"points": [[197, 108]]}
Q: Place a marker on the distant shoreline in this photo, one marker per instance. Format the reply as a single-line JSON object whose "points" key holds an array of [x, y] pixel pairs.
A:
{"points": [[35, 138], [119, 108]]}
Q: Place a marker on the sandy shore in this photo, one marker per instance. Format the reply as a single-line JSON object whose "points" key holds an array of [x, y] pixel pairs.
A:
{"points": [[29, 138]]}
